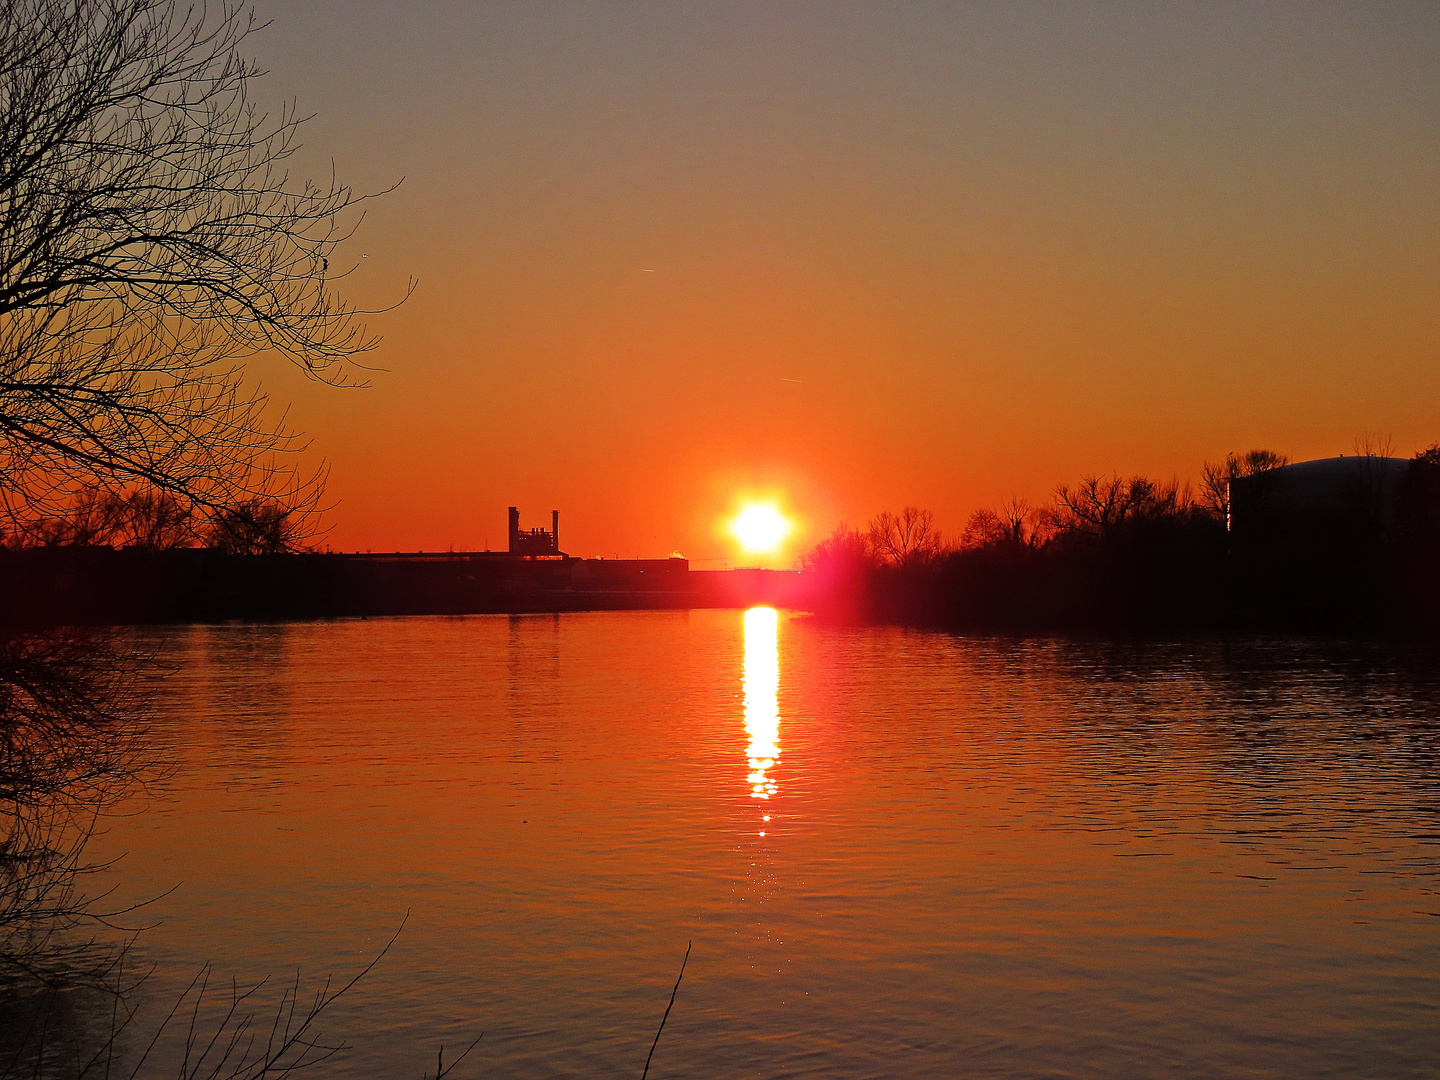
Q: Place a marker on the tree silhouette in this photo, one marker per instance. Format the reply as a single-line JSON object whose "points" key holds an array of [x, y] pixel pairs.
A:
{"points": [[1012, 524], [1215, 479], [1419, 501], [149, 519], [845, 549], [255, 527], [905, 539], [151, 242], [1097, 506]]}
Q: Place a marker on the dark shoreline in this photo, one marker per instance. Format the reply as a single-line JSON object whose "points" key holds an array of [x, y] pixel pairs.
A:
{"points": [[1024, 595], [100, 586]]}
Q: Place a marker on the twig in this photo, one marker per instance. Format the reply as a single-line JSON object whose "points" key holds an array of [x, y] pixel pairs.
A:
{"points": [[667, 1011], [442, 1070]]}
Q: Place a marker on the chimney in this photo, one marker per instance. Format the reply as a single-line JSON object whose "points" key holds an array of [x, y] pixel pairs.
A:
{"points": [[555, 530], [514, 530]]}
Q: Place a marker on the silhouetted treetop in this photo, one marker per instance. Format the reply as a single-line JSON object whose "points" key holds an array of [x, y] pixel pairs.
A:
{"points": [[1012, 524], [908, 538], [1097, 506], [145, 518], [1215, 479]]}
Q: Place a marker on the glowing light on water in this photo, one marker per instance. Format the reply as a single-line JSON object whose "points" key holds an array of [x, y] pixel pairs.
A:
{"points": [[762, 707]]}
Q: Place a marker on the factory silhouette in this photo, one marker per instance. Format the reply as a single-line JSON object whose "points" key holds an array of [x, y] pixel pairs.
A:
{"points": [[537, 543]]}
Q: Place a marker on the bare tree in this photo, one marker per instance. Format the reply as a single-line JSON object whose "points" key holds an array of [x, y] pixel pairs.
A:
{"points": [[1369, 444], [255, 527], [905, 539], [1012, 524], [1098, 506], [151, 242], [154, 520], [92, 519], [1374, 485], [149, 519], [1215, 479], [151, 245]]}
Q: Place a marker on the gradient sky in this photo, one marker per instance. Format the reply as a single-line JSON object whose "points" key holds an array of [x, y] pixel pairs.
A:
{"points": [[859, 254]]}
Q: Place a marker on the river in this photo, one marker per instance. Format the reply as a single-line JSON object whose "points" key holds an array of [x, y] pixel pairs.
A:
{"points": [[896, 853]]}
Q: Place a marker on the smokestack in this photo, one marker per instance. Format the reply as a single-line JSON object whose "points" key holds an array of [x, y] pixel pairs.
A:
{"points": [[555, 529], [514, 529]]}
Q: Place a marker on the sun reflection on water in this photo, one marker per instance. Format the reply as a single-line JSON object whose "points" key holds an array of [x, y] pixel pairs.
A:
{"points": [[762, 707]]}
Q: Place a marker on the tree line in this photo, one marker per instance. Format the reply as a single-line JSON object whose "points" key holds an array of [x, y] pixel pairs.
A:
{"points": [[154, 520], [1112, 553]]}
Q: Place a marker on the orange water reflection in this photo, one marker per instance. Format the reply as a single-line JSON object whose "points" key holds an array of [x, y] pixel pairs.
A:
{"points": [[762, 707], [1191, 858]]}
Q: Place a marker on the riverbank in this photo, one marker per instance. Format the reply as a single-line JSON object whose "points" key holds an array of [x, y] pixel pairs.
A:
{"points": [[106, 586]]}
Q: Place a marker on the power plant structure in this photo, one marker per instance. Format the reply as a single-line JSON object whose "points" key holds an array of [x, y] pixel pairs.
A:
{"points": [[535, 543]]}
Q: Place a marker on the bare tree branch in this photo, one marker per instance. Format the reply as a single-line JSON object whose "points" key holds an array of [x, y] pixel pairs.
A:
{"points": [[151, 242]]}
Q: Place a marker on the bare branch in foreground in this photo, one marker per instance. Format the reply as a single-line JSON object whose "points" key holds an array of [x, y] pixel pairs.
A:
{"points": [[667, 1011]]}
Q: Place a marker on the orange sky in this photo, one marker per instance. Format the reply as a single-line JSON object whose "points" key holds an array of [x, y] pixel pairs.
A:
{"points": [[862, 255]]}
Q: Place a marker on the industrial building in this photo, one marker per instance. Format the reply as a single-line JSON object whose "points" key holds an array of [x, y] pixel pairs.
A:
{"points": [[535, 543], [1361, 490]]}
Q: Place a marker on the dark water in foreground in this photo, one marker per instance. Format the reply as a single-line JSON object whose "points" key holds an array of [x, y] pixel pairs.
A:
{"points": [[974, 857]]}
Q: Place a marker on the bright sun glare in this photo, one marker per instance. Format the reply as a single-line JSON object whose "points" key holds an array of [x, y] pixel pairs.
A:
{"points": [[760, 528]]}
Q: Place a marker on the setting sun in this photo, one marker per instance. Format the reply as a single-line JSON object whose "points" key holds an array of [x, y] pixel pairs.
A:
{"points": [[760, 528]]}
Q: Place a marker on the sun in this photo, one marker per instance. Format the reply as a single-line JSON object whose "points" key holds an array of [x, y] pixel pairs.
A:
{"points": [[761, 528]]}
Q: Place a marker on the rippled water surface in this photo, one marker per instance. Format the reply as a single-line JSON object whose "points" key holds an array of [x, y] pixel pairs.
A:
{"points": [[897, 853]]}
